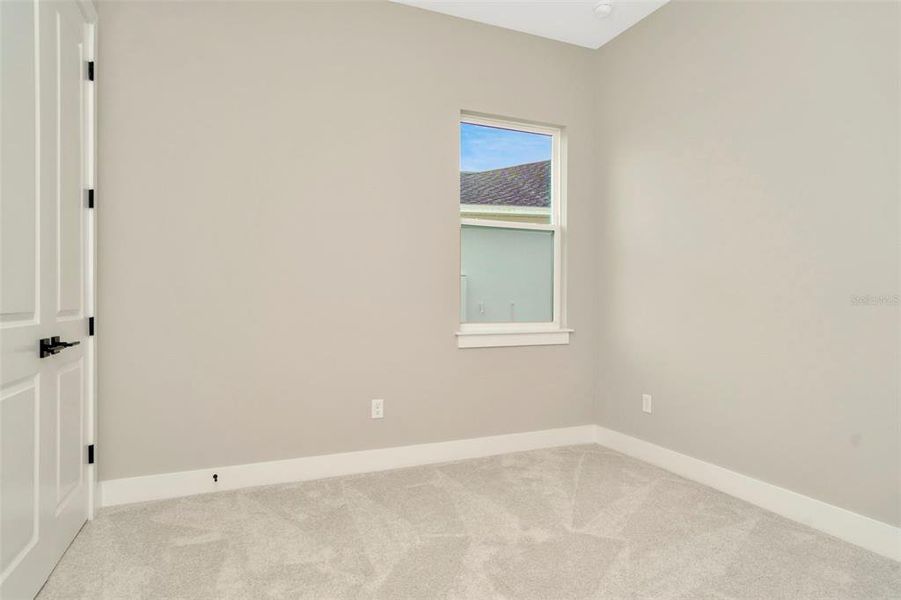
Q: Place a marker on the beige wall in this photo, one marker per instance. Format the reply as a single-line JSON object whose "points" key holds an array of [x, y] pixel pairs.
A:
{"points": [[279, 231], [749, 177], [279, 241]]}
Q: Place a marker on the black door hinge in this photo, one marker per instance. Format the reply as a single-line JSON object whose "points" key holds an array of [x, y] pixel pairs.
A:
{"points": [[90, 70], [91, 454], [90, 198], [90, 325]]}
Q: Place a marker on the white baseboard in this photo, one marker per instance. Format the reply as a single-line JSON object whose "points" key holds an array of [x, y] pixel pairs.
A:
{"points": [[188, 483], [857, 529]]}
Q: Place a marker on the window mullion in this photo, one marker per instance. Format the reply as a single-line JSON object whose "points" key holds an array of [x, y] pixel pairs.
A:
{"points": [[509, 225]]}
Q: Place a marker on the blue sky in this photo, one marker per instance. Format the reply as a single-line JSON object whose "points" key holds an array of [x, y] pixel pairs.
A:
{"points": [[485, 148]]}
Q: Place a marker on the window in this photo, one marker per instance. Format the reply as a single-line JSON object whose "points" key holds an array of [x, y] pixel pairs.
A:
{"points": [[511, 234]]}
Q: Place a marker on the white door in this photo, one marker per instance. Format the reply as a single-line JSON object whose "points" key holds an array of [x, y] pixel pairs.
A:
{"points": [[46, 408]]}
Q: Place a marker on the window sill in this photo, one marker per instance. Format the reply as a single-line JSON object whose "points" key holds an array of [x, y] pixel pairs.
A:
{"points": [[499, 339]]}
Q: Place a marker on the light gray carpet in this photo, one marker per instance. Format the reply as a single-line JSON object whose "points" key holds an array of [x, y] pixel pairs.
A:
{"points": [[575, 522]]}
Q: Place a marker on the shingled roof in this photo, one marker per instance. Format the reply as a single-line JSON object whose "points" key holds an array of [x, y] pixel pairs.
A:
{"points": [[519, 185]]}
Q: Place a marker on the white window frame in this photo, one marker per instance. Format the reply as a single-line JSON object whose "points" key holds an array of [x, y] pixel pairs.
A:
{"points": [[555, 332]]}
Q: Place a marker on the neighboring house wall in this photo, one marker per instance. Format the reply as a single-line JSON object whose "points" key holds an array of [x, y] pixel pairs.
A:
{"points": [[279, 231], [749, 176], [506, 275]]}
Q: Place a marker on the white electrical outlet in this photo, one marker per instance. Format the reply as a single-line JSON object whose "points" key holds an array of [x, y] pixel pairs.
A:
{"points": [[646, 403], [378, 408]]}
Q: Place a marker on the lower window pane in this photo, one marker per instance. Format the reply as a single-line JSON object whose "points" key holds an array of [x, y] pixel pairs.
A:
{"points": [[506, 275]]}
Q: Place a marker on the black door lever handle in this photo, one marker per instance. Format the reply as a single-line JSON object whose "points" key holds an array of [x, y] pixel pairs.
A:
{"points": [[50, 346]]}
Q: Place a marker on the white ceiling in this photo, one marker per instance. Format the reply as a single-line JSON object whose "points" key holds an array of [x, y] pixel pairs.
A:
{"points": [[571, 21]]}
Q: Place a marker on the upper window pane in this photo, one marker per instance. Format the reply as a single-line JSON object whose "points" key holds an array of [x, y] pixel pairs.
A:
{"points": [[505, 174]]}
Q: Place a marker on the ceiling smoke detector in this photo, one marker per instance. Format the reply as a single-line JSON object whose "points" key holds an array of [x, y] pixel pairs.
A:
{"points": [[603, 9]]}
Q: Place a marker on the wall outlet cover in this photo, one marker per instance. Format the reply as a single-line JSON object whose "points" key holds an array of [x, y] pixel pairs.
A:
{"points": [[378, 408]]}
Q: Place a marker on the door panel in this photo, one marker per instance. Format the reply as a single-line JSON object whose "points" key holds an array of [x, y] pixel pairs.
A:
{"points": [[69, 444], [19, 476], [69, 192], [44, 402], [19, 209]]}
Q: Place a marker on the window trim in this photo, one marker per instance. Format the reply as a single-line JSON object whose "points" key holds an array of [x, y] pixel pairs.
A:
{"points": [[555, 332]]}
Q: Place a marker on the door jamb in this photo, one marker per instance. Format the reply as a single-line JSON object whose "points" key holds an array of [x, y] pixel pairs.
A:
{"points": [[89, 140]]}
